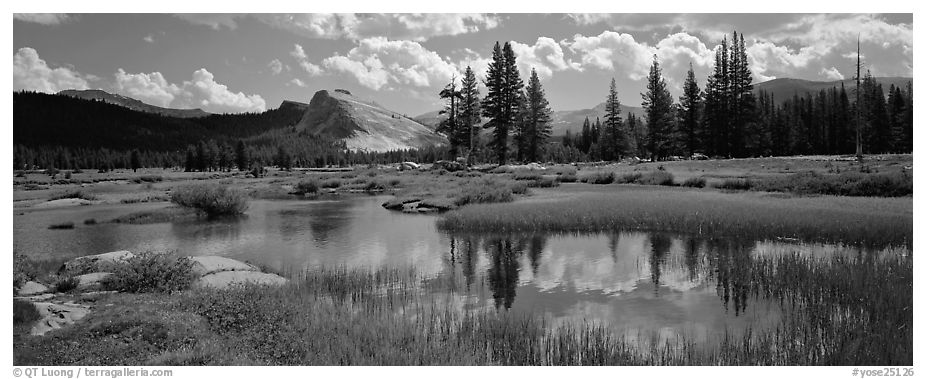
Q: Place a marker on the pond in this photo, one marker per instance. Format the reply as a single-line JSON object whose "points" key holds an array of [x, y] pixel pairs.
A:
{"points": [[640, 283]]}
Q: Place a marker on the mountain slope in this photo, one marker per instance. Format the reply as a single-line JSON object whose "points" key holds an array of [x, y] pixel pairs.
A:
{"points": [[133, 104], [363, 124], [560, 122], [785, 88]]}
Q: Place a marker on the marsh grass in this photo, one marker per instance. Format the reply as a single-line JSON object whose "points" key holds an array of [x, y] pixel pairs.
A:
{"points": [[846, 184], [599, 178], [695, 212], [24, 312], [836, 311], [76, 193]]}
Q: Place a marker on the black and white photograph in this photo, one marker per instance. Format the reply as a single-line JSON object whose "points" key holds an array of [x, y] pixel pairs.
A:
{"points": [[618, 189]]}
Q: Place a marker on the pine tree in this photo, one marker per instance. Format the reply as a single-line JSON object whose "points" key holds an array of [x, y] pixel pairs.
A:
{"points": [[470, 112], [136, 160], [241, 156], [450, 126], [690, 107], [657, 103], [537, 118], [503, 83], [715, 105], [614, 144], [585, 138]]}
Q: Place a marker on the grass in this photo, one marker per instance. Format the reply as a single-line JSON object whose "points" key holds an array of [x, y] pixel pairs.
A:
{"points": [[211, 199], [488, 191], [847, 184], [825, 219], [73, 194], [162, 215], [148, 179], [337, 316]]}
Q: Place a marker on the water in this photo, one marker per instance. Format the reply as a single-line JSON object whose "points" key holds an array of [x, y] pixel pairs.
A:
{"points": [[640, 283]]}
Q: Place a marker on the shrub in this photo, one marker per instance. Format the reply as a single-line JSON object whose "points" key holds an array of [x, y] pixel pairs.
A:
{"points": [[698, 182], [214, 200], [307, 186], [567, 178], [63, 225], [544, 183], [90, 221], [67, 175], [333, 183], [151, 272], [66, 284], [599, 178], [632, 177], [24, 269], [148, 179], [396, 181], [737, 184], [76, 193], [373, 185], [526, 175], [657, 178], [24, 311]]}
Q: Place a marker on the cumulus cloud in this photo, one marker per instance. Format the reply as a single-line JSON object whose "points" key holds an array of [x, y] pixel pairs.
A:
{"points": [[832, 73], [43, 18], [418, 27], [298, 83], [202, 91], [149, 88], [30, 72], [545, 56], [309, 67], [376, 62], [276, 67], [149, 38]]}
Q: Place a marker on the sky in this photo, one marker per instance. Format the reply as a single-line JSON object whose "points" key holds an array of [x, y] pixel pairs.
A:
{"points": [[229, 63]]}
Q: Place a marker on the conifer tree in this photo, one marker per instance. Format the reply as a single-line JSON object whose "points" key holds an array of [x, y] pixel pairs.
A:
{"points": [[470, 112], [690, 109], [657, 103], [614, 145], [503, 84], [537, 118]]}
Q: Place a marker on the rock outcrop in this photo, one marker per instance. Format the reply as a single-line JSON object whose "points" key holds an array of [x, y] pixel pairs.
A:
{"points": [[94, 263], [56, 316], [363, 124]]}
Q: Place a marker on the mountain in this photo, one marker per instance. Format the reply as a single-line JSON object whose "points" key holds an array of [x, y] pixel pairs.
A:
{"points": [[561, 120], [572, 120], [133, 104], [363, 124], [786, 88]]}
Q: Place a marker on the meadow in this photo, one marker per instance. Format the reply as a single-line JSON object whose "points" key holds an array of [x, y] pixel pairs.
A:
{"points": [[837, 310]]}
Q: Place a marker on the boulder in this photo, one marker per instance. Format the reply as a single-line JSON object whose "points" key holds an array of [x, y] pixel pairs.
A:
{"points": [[211, 264], [56, 316], [225, 279], [408, 166], [92, 280], [32, 288], [94, 263], [450, 166]]}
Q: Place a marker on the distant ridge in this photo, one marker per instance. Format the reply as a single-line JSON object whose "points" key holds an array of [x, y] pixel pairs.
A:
{"points": [[133, 104], [785, 88]]}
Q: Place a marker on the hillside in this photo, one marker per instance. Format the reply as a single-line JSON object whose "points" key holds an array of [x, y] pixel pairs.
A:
{"points": [[562, 120], [786, 88], [60, 120], [363, 124], [133, 104]]}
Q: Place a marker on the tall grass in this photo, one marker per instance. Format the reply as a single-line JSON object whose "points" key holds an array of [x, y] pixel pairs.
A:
{"points": [[697, 212], [836, 311], [847, 184], [212, 199], [76, 193]]}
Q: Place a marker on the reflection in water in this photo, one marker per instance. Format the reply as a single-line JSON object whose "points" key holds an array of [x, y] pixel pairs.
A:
{"points": [[659, 245], [638, 281]]}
